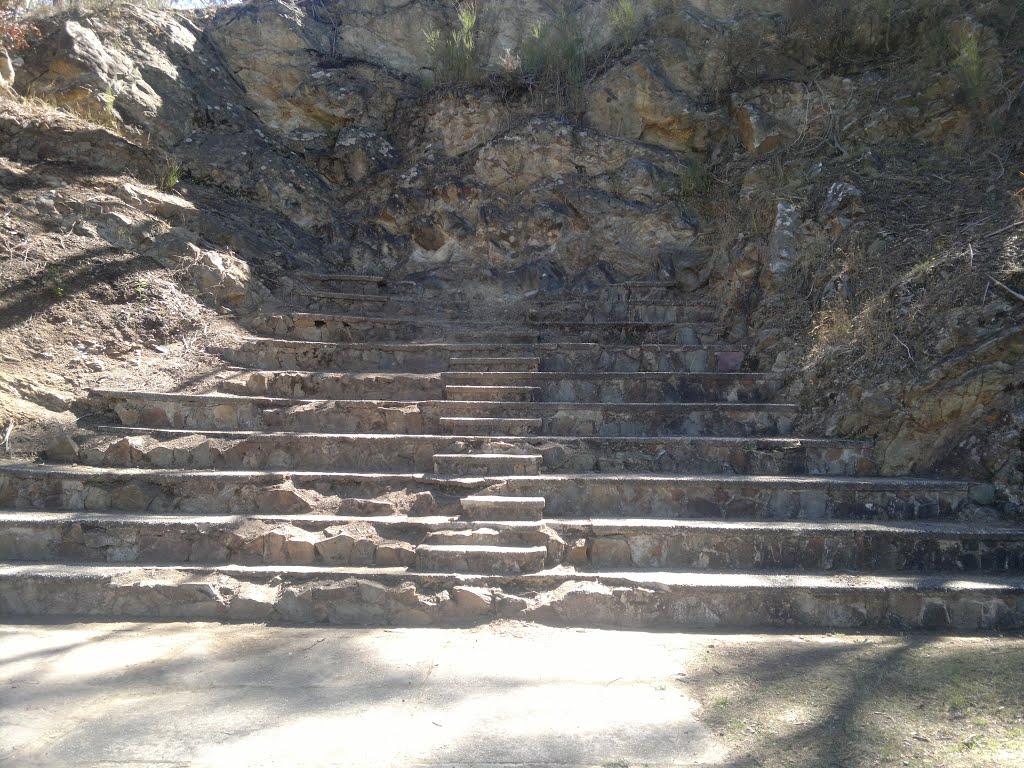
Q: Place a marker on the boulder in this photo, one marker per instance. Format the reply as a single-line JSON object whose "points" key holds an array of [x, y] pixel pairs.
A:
{"points": [[636, 101]]}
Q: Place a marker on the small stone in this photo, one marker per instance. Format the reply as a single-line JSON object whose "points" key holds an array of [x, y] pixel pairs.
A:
{"points": [[510, 605], [471, 601], [576, 553], [253, 602], [395, 555], [301, 549], [336, 549], [363, 551], [423, 504], [982, 493], [62, 449], [610, 552]]}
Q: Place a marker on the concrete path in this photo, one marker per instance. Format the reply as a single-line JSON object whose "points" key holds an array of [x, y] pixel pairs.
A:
{"points": [[131, 695]]}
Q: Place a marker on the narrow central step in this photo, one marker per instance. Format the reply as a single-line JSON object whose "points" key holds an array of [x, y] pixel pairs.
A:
{"points": [[495, 364], [469, 425], [490, 393], [487, 464], [475, 558], [495, 508]]}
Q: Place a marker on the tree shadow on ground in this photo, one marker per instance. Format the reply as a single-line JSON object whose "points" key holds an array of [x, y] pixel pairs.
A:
{"points": [[211, 695], [849, 701]]}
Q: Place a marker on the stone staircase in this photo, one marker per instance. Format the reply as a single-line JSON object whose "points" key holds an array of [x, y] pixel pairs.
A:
{"points": [[388, 458]]}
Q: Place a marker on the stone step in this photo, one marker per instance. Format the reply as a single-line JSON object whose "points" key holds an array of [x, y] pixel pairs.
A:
{"points": [[531, 534], [598, 310], [554, 386], [229, 450], [163, 539], [495, 364], [505, 394], [816, 546], [503, 507], [429, 357], [666, 309], [205, 412], [478, 558], [636, 291], [648, 600], [629, 331], [486, 464], [583, 544], [611, 495], [335, 386], [335, 328], [472, 426], [480, 535], [321, 281], [349, 300]]}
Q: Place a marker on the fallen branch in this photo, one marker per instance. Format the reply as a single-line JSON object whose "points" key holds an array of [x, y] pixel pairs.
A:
{"points": [[1004, 229], [1008, 289]]}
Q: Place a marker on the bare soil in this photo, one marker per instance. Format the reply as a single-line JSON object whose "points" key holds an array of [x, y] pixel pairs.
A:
{"points": [[78, 311], [848, 700]]}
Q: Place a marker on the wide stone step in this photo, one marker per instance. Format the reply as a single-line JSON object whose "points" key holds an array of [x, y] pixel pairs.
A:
{"points": [[324, 327], [428, 357], [611, 495], [256, 540], [503, 507], [563, 419], [648, 600], [478, 558], [583, 544], [472, 426], [666, 309], [562, 387], [507, 394], [495, 364], [817, 546], [225, 450], [204, 412], [484, 464]]}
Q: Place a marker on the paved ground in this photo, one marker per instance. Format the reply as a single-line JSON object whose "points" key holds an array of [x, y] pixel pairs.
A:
{"points": [[214, 695]]}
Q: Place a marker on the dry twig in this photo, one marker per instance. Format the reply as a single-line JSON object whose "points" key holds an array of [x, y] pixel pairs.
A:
{"points": [[909, 354], [1008, 289]]}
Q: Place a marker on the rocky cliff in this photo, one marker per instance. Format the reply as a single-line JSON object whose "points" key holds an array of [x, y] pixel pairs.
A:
{"points": [[842, 178]]}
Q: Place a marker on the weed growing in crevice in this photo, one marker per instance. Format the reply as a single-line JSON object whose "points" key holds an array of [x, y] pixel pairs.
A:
{"points": [[554, 61], [170, 175], [453, 55], [625, 23]]}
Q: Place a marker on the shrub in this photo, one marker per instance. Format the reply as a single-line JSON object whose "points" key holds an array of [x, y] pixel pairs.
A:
{"points": [[625, 23], [14, 30], [555, 60], [170, 175], [454, 55]]}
